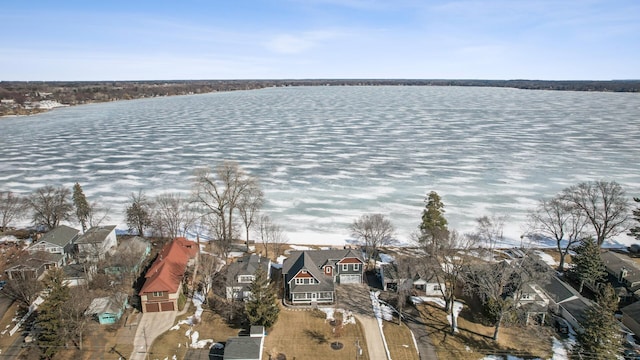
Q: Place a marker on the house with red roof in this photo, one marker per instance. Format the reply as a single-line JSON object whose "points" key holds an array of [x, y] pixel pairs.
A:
{"points": [[163, 281]]}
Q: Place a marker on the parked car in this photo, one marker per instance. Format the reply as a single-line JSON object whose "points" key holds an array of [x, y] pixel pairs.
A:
{"points": [[561, 325]]}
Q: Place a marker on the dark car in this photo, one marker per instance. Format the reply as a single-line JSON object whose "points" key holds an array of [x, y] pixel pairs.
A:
{"points": [[561, 325]]}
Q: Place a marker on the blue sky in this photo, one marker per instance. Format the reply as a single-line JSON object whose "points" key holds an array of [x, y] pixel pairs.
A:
{"points": [[296, 39]]}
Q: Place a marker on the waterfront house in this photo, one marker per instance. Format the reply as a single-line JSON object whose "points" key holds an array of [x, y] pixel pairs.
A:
{"points": [[56, 241], [164, 279], [310, 276], [94, 244]]}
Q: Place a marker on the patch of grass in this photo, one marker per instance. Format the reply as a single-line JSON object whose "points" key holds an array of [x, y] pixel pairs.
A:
{"points": [[305, 335], [399, 341], [474, 340], [174, 342]]}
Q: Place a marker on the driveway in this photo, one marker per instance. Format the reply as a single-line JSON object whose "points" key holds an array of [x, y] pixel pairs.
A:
{"points": [[355, 297], [419, 328], [150, 326]]}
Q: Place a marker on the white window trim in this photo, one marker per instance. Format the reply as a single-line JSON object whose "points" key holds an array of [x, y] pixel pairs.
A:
{"points": [[345, 267], [158, 293], [356, 267]]}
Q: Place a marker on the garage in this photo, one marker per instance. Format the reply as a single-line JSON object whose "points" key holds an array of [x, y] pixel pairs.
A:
{"points": [[350, 279], [152, 307], [166, 306]]}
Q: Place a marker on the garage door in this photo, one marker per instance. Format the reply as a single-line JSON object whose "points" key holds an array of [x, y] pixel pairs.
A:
{"points": [[153, 307], [166, 306], [350, 279]]}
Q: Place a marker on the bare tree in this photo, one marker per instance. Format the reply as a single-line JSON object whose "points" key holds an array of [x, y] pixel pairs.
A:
{"points": [[173, 213], [50, 205], [445, 260], [138, 213], [97, 214], [215, 227], [490, 230], [23, 291], [209, 267], [375, 230], [219, 193], [558, 220], [271, 234], [501, 285], [12, 207], [604, 204], [74, 320], [250, 203]]}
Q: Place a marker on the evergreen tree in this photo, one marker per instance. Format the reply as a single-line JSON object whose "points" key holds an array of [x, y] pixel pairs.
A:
{"points": [[434, 224], [50, 314], [601, 337], [83, 209], [262, 308], [635, 231], [588, 265]]}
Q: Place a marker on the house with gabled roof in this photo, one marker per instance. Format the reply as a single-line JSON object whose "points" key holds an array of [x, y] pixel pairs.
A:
{"points": [[33, 267], [623, 272], [163, 281], [565, 301], [241, 274], [57, 241], [94, 244], [310, 276]]}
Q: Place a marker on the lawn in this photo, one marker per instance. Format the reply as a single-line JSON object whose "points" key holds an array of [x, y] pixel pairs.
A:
{"points": [[399, 341], [474, 340], [7, 323], [175, 342], [300, 334]]}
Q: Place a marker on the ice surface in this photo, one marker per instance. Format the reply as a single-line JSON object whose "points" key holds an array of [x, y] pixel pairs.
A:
{"points": [[326, 155]]}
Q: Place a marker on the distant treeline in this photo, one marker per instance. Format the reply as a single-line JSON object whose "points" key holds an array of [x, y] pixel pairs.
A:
{"points": [[22, 97]]}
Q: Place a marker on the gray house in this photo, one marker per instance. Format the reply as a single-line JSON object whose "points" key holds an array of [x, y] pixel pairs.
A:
{"points": [[245, 347], [622, 271], [310, 276], [94, 244], [57, 241], [241, 273], [566, 302]]}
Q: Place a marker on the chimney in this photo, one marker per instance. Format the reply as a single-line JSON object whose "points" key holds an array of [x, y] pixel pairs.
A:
{"points": [[623, 273]]}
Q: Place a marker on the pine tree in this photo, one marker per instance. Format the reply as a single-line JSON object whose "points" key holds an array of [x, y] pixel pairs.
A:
{"points": [[601, 337], [50, 314], [262, 308], [83, 209], [434, 224], [635, 231], [588, 265]]}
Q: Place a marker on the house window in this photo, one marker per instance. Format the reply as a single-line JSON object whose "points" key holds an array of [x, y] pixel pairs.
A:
{"points": [[327, 270], [299, 281], [245, 278], [526, 296], [437, 287], [345, 267], [356, 267], [157, 293]]}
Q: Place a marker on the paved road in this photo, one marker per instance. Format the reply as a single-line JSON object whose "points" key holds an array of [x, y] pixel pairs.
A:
{"points": [[355, 297]]}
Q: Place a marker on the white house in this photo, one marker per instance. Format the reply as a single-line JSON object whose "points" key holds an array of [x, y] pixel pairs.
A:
{"points": [[96, 243]]}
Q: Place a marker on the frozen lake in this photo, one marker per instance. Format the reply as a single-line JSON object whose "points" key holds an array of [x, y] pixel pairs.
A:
{"points": [[326, 155]]}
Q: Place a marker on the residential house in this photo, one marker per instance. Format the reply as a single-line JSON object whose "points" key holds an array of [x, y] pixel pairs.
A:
{"points": [[241, 274], [623, 274], [77, 274], [128, 256], [310, 276], [57, 241], [418, 282], [565, 301], [94, 244], [631, 317], [163, 281], [33, 267], [246, 347], [108, 310]]}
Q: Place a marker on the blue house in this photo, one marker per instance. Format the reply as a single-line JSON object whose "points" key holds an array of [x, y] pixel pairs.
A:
{"points": [[108, 310]]}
